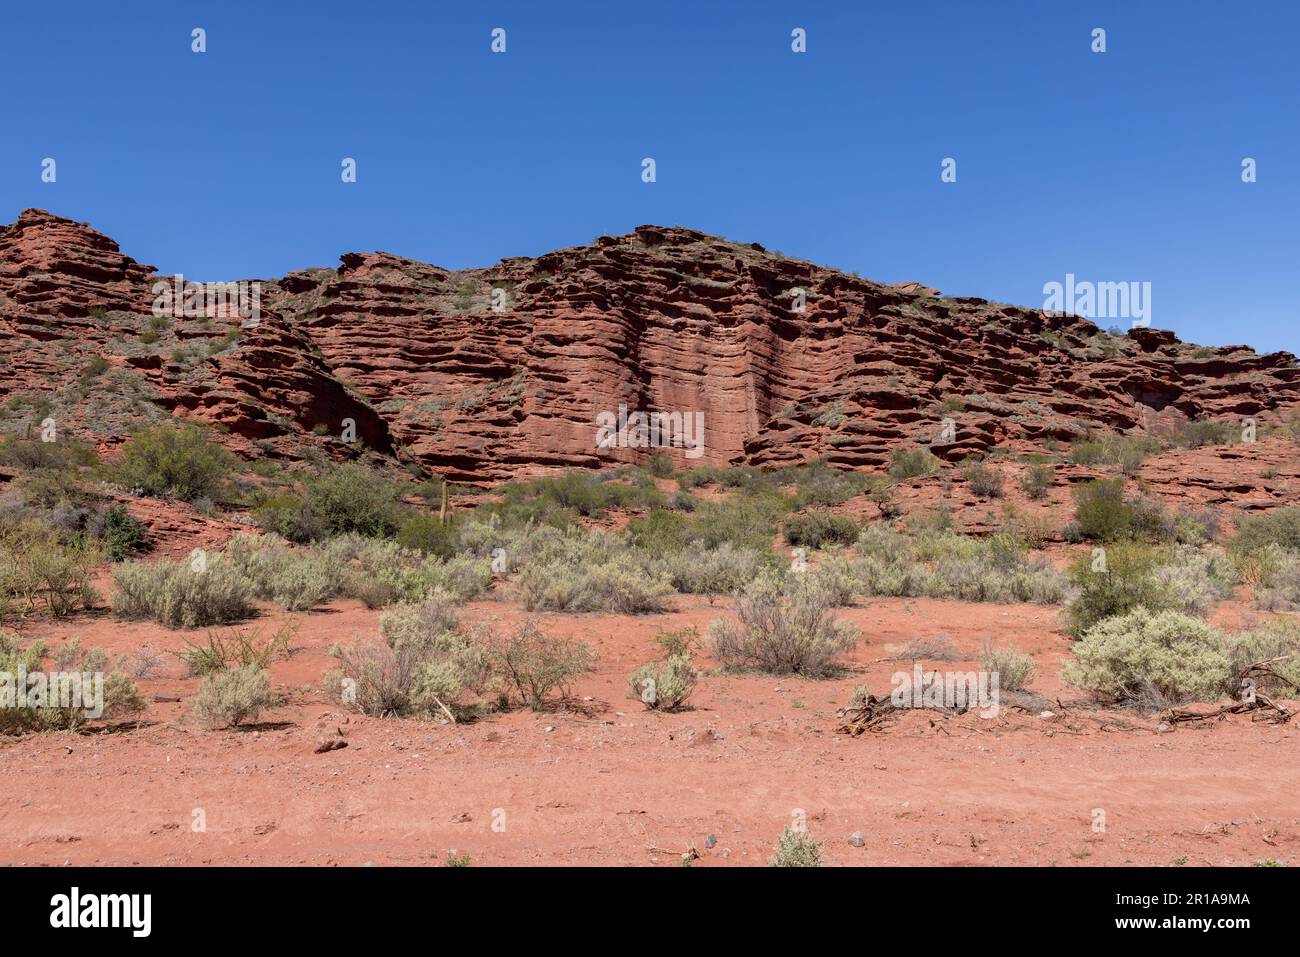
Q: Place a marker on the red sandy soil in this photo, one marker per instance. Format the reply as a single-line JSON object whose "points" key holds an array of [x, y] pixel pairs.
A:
{"points": [[609, 783]]}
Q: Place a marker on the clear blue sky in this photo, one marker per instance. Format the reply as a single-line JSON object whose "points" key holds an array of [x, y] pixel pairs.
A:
{"points": [[1117, 166]]}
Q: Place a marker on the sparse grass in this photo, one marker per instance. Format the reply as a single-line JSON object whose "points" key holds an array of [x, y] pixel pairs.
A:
{"points": [[796, 849]]}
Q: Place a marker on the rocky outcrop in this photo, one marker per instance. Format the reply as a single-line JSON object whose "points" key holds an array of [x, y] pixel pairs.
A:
{"points": [[486, 374]]}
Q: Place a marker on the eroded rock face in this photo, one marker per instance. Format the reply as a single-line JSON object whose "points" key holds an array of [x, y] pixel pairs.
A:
{"points": [[486, 374]]}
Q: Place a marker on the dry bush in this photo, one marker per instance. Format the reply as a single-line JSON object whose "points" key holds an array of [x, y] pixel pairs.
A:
{"points": [[533, 664], [796, 849], [782, 628]]}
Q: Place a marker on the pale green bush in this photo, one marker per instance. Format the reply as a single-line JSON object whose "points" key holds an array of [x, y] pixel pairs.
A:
{"points": [[796, 849], [664, 685], [1014, 669], [177, 595], [1126, 658], [697, 570], [229, 697], [533, 664], [622, 585]]}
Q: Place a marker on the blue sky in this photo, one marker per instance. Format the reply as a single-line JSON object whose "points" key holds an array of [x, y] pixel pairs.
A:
{"points": [[1121, 166]]}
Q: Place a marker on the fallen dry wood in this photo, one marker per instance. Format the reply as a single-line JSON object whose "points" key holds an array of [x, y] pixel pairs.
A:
{"points": [[1261, 706]]}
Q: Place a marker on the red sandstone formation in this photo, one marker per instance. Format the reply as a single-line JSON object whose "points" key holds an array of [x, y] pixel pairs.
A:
{"points": [[484, 374]]}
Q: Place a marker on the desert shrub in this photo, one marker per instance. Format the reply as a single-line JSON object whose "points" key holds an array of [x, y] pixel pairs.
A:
{"points": [[1201, 432], [1192, 581], [796, 849], [69, 453], [533, 664], [172, 462], [430, 535], [420, 624], [1195, 526], [1014, 669], [823, 485], [1037, 480], [54, 709], [423, 666], [1123, 577], [944, 564], [229, 697], [123, 534], [1279, 526], [746, 520], [1101, 513], [1111, 583], [660, 531], [37, 572], [678, 642], [352, 498], [909, 463], [1129, 657], [179, 595], [664, 685], [621, 585], [1126, 451], [380, 573], [712, 571], [837, 577], [816, 529], [782, 627], [237, 650], [984, 482], [1280, 585], [297, 579]]}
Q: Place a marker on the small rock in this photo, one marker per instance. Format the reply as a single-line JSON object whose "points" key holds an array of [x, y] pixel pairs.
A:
{"points": [[711, 841], [1162, 728], [329, 744], [549, 728], [856, 839], [1046, 714], [163, 697]]}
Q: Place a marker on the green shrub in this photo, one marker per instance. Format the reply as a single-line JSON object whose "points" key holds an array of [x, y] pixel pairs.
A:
{"points": [[429, 534], [816, 529], [229, 697], [1113, 583], [664, 685], [782, 628], [796, 849], [820, 484], [912, 463], [1126, 451], [659, 532], [534, 665], [67, 454], [1201, 432], [1279, 526], [746, 520], [1101, 513], [167, 461], [1150, 653], [123, 534], [237, 650], [178, 595], [1014, 669]]}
